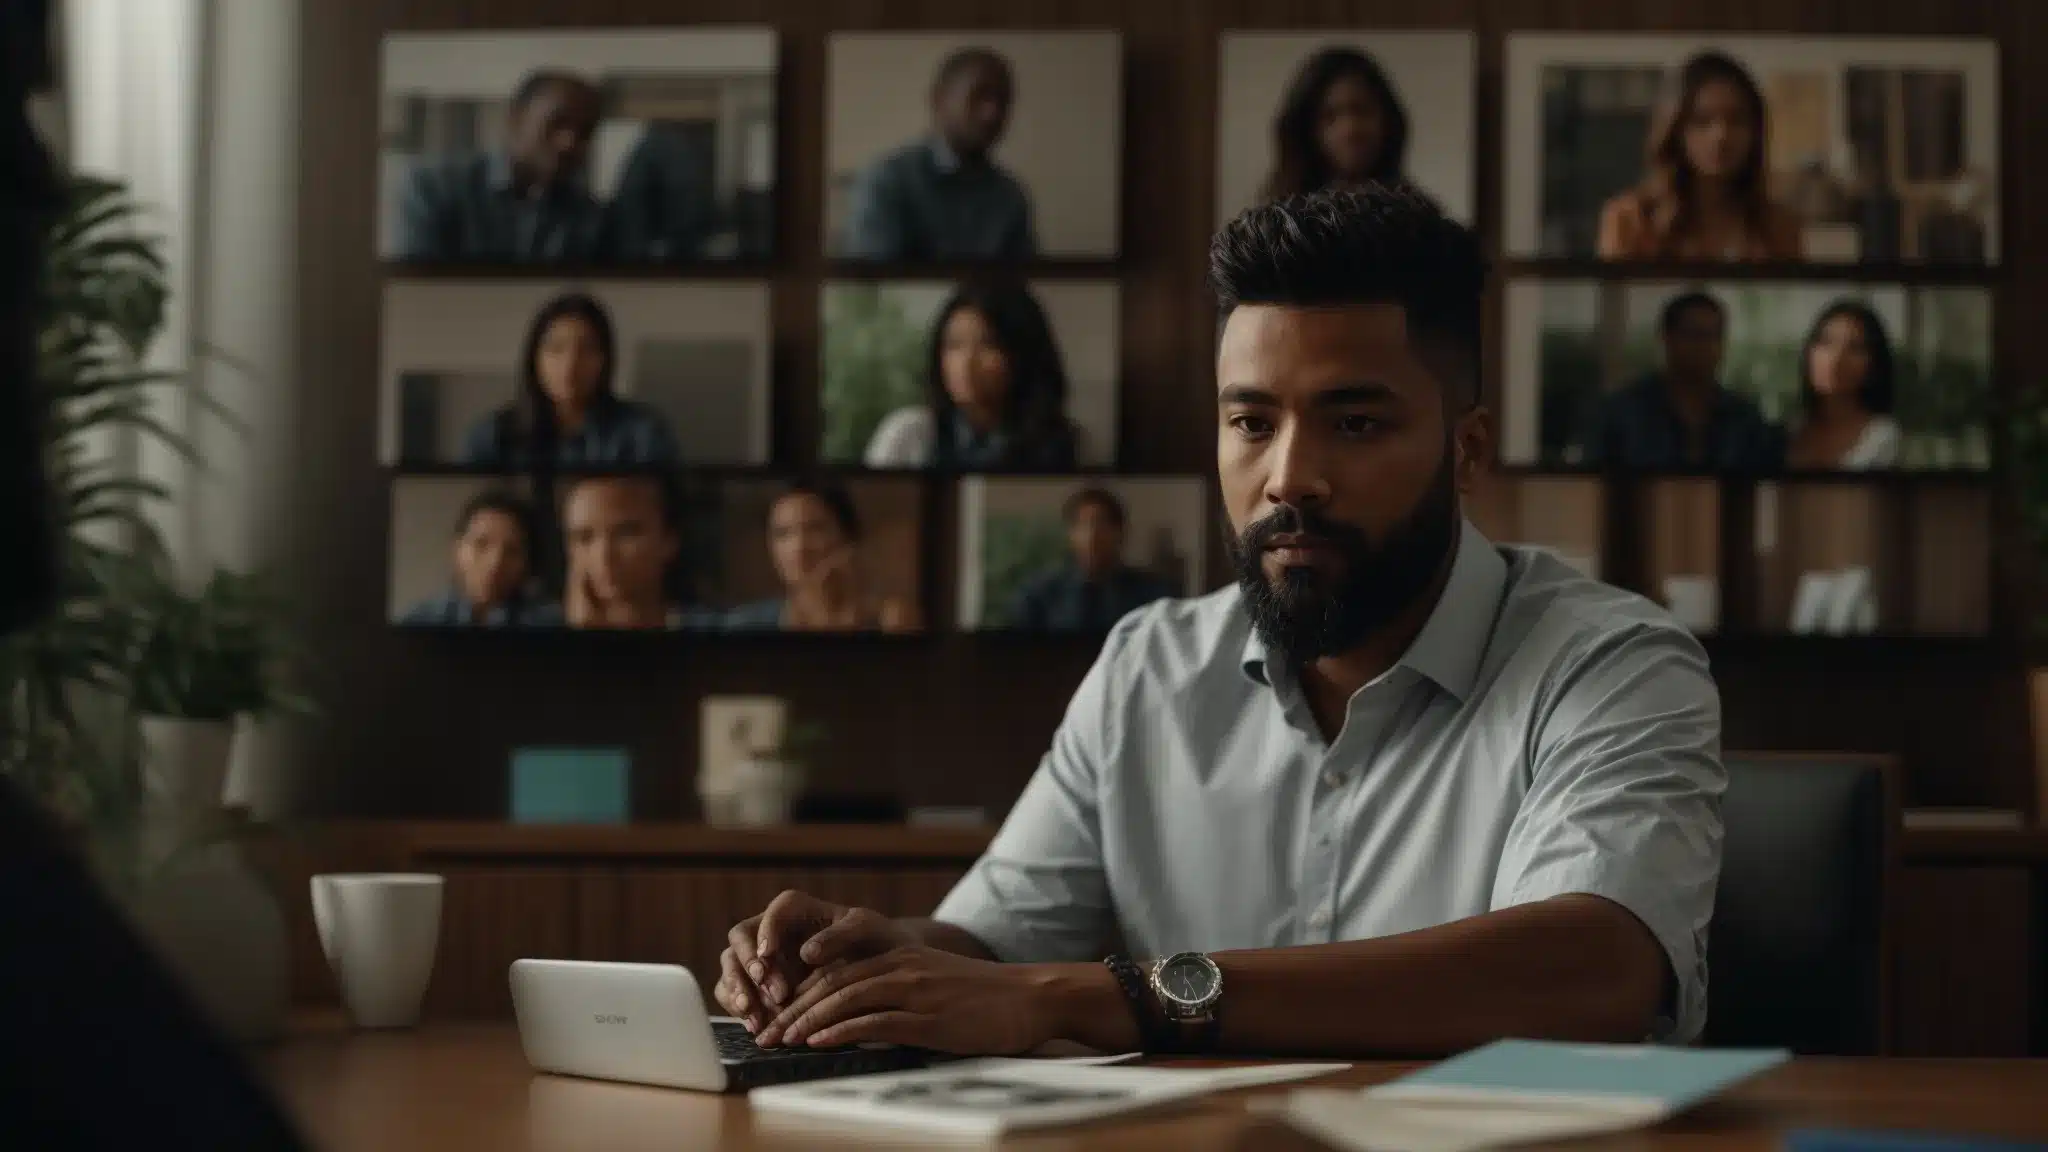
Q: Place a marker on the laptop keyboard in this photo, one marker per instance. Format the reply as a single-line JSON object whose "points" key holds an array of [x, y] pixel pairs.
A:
{"points": [[736, 1045]]}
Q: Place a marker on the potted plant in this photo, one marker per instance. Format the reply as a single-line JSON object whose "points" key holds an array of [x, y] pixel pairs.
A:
{"points": [[764, 787], [129, 671]]}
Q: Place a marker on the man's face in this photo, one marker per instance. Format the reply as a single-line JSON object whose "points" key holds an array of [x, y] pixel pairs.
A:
{"points": [[550, 134], [617, 541], [1692, 348], [972, 107], [1095, 538], [490, 557], [1340, 471]]}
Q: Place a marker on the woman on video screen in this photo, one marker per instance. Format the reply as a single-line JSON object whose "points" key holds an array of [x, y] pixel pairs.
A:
{"points": [[1340, 125], [1845, 393], [996, 392], [814, 539], [566, 412], [1705, 197]]}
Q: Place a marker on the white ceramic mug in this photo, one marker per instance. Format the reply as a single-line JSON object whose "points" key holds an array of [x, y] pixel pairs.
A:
{"points": [[379, 931]]}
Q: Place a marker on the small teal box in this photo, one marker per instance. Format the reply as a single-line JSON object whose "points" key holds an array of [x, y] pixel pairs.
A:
{"points": [[570, 785]]}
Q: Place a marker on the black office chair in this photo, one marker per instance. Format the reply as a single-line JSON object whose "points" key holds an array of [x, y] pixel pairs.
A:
{"points": [[1795, 952]]}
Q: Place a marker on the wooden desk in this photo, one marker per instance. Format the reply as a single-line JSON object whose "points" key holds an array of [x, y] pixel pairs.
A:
{"points": [[460, 1086]]}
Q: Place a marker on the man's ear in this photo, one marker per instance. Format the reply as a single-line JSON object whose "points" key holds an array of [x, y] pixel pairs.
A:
{"points": [[1472, 445]]}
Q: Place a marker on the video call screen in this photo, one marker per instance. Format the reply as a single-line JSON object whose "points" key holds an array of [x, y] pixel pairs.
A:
{"points": [[658, 551], [612, 374], [975, 376], [967, 147], [1596, 370], [1864, 151], [632, 148], [1300, 110], [1075, 554]]}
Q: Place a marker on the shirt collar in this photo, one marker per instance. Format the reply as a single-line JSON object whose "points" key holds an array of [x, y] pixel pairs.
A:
{"points": [[1453, 640], [498, 176], [942, 154]]}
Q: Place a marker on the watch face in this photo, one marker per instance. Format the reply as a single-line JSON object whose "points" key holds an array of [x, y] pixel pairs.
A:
{"points": [[1188, 979]]}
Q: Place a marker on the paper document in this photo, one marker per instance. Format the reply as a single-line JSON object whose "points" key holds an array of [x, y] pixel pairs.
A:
{"points": [[1517, 1091], [987, 1098]]}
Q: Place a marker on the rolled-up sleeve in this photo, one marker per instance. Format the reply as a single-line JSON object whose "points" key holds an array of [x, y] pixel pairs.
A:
{"points": [[1624, 801], [1039, 893]]}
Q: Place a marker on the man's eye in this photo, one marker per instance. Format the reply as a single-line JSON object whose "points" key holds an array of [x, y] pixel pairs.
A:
{"points": [[1356, 425], [1251, 426]]}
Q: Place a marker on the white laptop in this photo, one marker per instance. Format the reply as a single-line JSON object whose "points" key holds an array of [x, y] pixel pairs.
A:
{"points": [[647, 1024]]}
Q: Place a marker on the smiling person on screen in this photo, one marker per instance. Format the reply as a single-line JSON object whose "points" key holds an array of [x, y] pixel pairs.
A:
{"points": [[1402, 790]]}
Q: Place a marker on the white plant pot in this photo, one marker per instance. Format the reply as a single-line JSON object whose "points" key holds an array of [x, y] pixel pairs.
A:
{"points": [[211, 919], [758, 793]]}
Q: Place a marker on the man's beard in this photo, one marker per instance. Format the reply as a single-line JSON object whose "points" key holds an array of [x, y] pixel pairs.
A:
{"points": [[1304, 614]]}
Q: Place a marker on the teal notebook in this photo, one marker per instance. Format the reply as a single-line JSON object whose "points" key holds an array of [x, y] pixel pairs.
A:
{"points": [[1517, 1091], [1667, 1078]]}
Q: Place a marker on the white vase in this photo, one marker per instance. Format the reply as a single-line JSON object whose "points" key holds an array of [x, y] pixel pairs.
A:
{"points": [[759, 792], [210, 917]]}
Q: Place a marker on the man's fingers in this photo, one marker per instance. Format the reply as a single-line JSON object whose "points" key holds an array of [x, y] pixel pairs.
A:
{"points": [[821, 985], [741, 940], [782, 914], [890, 1027], [735, 992], [858, 928], [883, 992]]}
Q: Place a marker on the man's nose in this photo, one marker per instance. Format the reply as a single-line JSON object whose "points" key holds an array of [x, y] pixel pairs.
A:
{"points": [[1298, 475]]}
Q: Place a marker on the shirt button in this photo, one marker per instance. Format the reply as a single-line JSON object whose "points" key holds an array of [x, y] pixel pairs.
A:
{"points": [[1319, 921], [1332, 778]]}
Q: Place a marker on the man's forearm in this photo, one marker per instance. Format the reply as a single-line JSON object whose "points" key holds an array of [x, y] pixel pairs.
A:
{"points": [[1573, 968]]}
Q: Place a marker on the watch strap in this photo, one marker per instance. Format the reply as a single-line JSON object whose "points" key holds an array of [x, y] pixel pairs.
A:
{"points": [[1154, 1033]]}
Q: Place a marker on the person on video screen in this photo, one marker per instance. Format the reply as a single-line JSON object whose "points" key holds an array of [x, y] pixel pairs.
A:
{"points": [[1094, 588], [944, 197], [1340, 125], [528, 203], [1681, 418], [566, 412], [1705, 197], [493, 561], [814, 540], [995, 392], [1845, 393], [623, 550]]}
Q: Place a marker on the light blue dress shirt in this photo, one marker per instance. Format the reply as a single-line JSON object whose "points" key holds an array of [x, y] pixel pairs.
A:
{"points": [[1545, 735]]}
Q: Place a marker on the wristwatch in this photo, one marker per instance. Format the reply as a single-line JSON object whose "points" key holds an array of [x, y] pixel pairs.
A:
{"points": [[1189, 985]]}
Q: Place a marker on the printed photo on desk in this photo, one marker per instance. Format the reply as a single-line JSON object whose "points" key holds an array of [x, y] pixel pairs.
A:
{"points": [[1747, 377], [587, 148], [615, 374], [1075, 554], [467, 552], [1301, 111], [1835, 150], [967, 147], [1847, 559], [986, 375]]}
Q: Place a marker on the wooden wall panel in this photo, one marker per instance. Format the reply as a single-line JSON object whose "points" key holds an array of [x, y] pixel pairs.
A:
{"points": [[421, 725], [493, 916], [1966, 969]]}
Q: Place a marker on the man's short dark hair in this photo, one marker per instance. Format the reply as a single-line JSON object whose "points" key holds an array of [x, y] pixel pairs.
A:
{"points": [[1101, 498], [541, 79], [505, 503], [1676, 308], [1383, 243], [833, 495], [960, 60]]}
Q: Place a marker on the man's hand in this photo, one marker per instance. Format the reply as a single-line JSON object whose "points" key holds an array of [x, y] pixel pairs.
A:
{"points": [[921, 996], [768, 956]]}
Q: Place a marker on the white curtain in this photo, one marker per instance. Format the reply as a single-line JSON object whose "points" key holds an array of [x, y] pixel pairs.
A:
{"points": [[194, 105]]}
